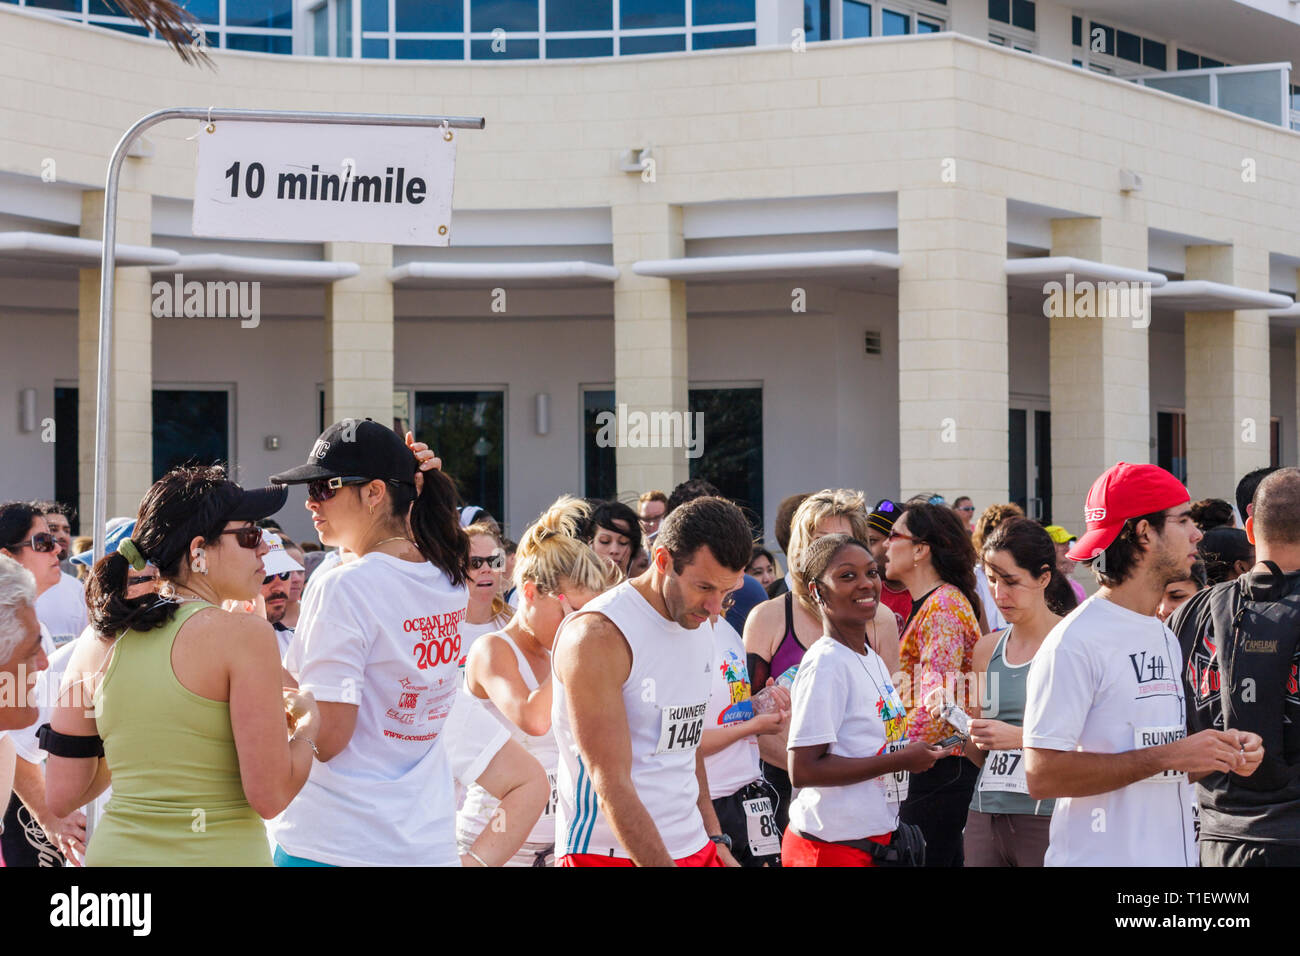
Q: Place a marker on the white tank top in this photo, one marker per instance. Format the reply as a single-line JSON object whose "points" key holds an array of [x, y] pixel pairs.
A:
{"points": [[666, 697], [479, 806]]}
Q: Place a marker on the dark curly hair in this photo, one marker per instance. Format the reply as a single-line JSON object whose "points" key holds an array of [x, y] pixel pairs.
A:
{"points": [[951, 553]]}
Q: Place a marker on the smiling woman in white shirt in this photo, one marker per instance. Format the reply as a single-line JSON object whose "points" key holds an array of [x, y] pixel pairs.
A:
{"points": [[378, 644]]}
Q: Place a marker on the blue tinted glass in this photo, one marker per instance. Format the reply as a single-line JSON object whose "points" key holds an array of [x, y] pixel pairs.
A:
{"points": [[102, 8], [640, 14], [72, 6], [1024, 14], [722, 38], [722, 11], [488, 15], [1207, 63], [430, 49], [259, 44], [126, 28], [1128, 46], [207, 11], [587, 46], [817, 19], [374, 15], [857, 19], [1000, 10], [259, 13], [1154, 54], [660, 43], [1103, 42], [1188, 61], [374, 49], [429, 16], [513, 50], [925, 26], [1076, 31], [320, 28], [579, 14], [894, 24]]}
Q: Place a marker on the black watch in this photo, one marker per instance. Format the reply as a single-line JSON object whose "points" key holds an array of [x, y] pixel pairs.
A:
{"points": [[723, 839]]}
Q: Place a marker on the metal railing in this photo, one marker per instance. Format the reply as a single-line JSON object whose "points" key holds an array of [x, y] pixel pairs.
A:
{"points": [[1261, 91]]}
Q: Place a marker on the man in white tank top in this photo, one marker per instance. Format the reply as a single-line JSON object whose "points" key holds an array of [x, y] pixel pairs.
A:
{"points": [[632, 673]]}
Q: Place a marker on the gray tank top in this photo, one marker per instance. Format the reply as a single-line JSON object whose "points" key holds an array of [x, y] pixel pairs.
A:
{"points": [[1001, 784]]}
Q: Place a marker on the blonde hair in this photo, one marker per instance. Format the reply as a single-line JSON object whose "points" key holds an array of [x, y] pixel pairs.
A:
{"points": [[500, 607], [551, 549], [816, 508]]}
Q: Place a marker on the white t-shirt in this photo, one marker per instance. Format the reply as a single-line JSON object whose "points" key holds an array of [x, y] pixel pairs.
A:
{"points": [[729, 703], [474, 737], [1108, 680], [848, 701], [63, 609], [381, 633]]}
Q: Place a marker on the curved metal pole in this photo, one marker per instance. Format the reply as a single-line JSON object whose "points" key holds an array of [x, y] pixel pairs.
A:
{"points": [[109, 254]]}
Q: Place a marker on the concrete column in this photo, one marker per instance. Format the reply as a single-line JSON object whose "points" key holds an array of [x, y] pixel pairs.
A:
{"points": [[130, 416], [1099, 370], [650, 357], [1227, 362], [359, 335], [952, 343]]}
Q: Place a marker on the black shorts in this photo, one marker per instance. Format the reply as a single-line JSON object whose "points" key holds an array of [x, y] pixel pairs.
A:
{"points": [[735, 823]]}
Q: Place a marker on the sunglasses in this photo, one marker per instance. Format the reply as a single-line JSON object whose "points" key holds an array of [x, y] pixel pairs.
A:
{"points": [[323, 489], [42, 541], [496, 561], [282, 576], [969, 508], [249, 536], [899, 536]]}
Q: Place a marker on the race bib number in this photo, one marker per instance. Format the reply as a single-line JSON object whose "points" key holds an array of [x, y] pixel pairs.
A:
{"points": [[554, 798], [680, 728], [1154, 737], [760, 822], [1004, 772], [896, 783]]}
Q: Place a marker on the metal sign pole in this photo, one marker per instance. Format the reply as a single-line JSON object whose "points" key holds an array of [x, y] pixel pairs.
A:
{"points": [[109, 256]]}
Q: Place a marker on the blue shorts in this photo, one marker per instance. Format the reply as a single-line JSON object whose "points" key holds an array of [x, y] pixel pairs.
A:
{"points": [[284, 859]]}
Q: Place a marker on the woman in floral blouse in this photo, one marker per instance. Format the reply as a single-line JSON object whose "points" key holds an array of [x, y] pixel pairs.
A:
{"points": [[931, 554]]}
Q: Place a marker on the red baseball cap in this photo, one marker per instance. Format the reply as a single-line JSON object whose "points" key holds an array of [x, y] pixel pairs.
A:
{"points": [[1122, 492]]}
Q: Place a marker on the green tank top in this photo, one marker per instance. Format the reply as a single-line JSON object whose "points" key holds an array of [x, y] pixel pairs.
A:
{"points": [[1000, 787], [177, 796]]}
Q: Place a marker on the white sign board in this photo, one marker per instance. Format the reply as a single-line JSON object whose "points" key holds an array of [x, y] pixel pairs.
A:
{"points": [[318, 183]]}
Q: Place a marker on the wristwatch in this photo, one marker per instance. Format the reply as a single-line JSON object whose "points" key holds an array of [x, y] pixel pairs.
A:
{"points": [[723, 839]]}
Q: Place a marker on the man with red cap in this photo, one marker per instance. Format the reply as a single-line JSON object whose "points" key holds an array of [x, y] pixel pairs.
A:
{"points": [[1105, 723]]}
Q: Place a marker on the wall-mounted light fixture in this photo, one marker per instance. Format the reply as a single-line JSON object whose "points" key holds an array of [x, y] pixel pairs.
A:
{"points": [[27, 410], [543, 413]]}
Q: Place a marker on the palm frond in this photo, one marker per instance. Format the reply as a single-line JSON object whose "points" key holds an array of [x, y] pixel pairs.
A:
{"points": [[173, 24]]}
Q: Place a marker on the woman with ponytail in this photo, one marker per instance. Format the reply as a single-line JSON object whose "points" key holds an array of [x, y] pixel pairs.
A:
{"points": [[378, 644], [509, 670], [179, 700], [1005, 826]]}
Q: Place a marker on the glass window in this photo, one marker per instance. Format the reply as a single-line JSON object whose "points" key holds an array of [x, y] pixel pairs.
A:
{"points": [[599, 475], [1076, 63], [471, 427], [1209, 64], [579, 47], [1076, 31], [1171, 443], [1188, 61], [731, 438], [1023, 14], [1128, 46], [893, 24], [132, 28], [67, 473], [722, 11], [817, 19], [928, 26], [70, 6], [374, 49], [320, 28], [641, 14], [1154, 54], [260, 13], [342, 27], [429, 16], [1000, 10], [722, 38], [207, 11], [509, 50], [1252, 94], [656, 43], [102, 8], [1101, 38], [488, 15], [857, 19], [430, 50], [579, 15], [190, 427], [259, 43], [374, 15]]}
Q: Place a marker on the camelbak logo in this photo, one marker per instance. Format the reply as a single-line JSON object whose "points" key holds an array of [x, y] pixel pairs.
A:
{"points": [[1094, 514], [319, 449]]}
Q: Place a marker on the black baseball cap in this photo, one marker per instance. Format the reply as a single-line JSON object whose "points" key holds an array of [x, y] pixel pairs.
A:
{"points": [[355, 448], [249, 504]]}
